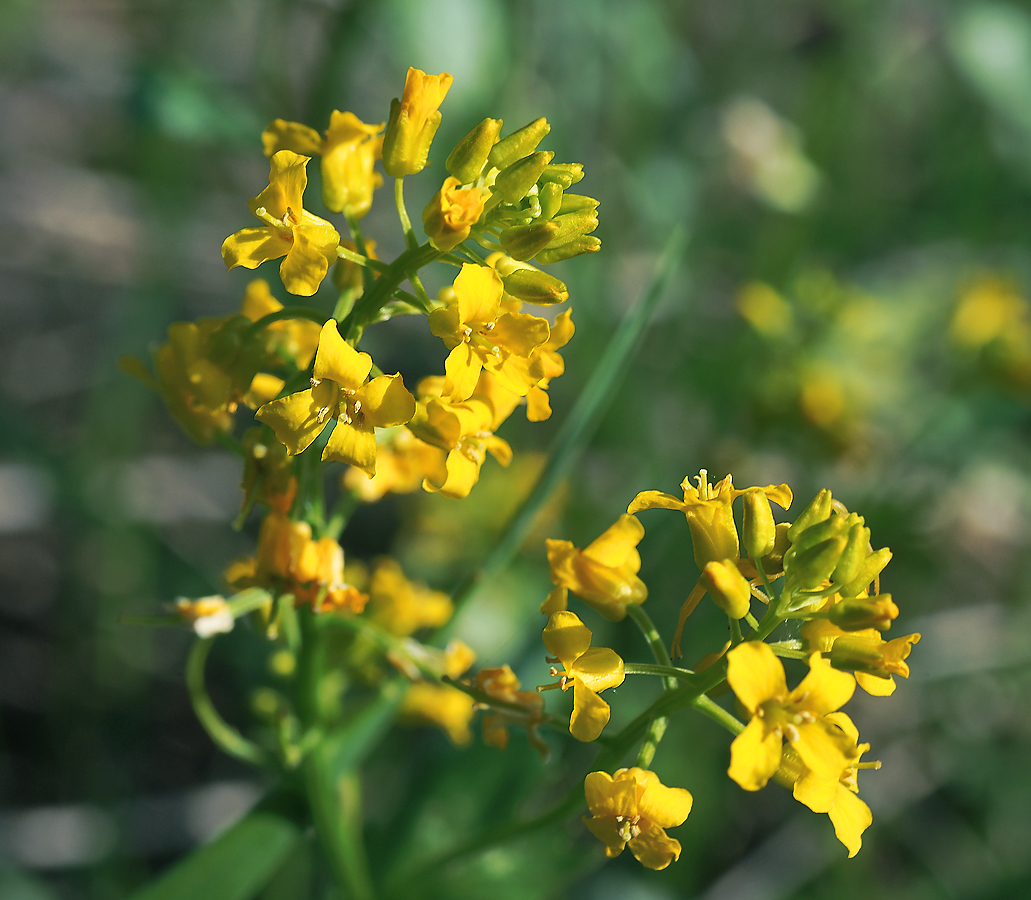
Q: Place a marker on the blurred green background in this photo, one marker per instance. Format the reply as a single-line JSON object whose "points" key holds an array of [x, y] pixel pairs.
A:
{"points": [[852, 313]]}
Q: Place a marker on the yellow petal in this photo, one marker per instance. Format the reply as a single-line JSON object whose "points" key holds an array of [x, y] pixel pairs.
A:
{"points": [[606, 830], [875, 685], [590, 713], [283, 135], [354, 445], [264, 389], [339, 361], [501, 450], [599, 668], [614, 545], [779, 494], [845, 724], [610, 797], [816, 791], [665, 806], [308, 260], [520, 333], [538, 405], [386, 402], [258, 300], [558, 601], [566, 637], [479, 291], [754, 756], [654, 849], [825, 688], [250, 247], [462, 475], [294, 419], [287, 180], [654, 500], [755, 674], [825, 750], [463, 369], [850, 817]]}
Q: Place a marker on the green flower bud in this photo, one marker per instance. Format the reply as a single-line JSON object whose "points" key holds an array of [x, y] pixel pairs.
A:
{"points": [[574, 224], [813, 566], [856, 550], [534, 286], [514, 181], [758, 531], [817, 511], [858, 613], [774, 560], [551, 200], [565, 174], [831, 527], [467, 160], [574, 202], [523, 242], [518, 144], [870, 568], [857, 654], [576, 247], [728, 587]]}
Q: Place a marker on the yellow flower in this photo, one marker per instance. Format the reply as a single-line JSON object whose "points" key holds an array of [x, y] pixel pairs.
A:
{"points": [[413, 122], [501, 683], [339, 391], [604, 573], [296, 339], [874, 660], [588, 670], [349, 152], [710, 513], [634, 808], [451, 214], [757, 678], [401, 606], [836, 796], [481, 336], [466, 430], [441, 705], [551, 364], [308, 242], [402, 463]]}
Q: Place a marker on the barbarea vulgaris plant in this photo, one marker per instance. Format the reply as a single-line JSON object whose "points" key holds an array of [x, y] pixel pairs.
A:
{"points": [[334, 628]]}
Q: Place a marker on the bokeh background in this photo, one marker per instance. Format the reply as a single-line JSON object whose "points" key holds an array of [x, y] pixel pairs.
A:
{"points": [[852, 313]]}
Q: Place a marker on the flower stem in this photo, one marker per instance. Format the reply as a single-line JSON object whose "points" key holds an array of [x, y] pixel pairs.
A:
{"points": [[672, 673], [406, 223], [657, 727], [718, 714], [227, 738]]}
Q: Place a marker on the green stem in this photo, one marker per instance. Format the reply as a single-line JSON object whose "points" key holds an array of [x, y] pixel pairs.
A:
{"points": [[360, 259], [406, 223], [735, 632], [227, 738], [718, 714], [657, 728], [345, 506], [359, 242], [288, 312], [583, 420], [766, 582], [671, 673]]}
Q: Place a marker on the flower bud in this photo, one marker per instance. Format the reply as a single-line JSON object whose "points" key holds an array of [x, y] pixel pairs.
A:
{"points": [[857, 653], [523, 242], [514, 181], [576, 247], [534, 286], [467, 160], [758, 531], [834, 526], [413, 122], [518, 144], [451, 214], [774, 560], [565, 174], [817, 511], [870, 568], [857, 613], [856, 550], [572, 225], [813, 566], [550, 198], [728, 587], [574, 202]]}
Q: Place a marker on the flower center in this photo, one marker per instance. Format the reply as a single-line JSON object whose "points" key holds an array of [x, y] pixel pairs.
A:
{"points": [[628, 827]]}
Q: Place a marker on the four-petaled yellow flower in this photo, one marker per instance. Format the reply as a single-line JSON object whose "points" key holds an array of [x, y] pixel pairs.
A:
{"points": [[308, 242], [481, 336], [633, 808], [757, 678], [836, 796], [414, 120], [339, 391], [588, 670], [604, 573], [349, 152], [874, 660]]}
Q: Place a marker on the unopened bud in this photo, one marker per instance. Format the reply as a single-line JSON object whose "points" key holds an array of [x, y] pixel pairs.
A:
{"points": [[550, 196], [728, 587], [577, 247], [565, 174], [574, 202], [759, 531], [813, 566], [451, 214], [857, 653], [513, 182], [572, 225], [774, 560], [856, 550], [413, 122], [523, 242], [467, 160], [855, 614], [869, 569], [834, 526], [518, 144], [817, 511], [534, 286]]}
